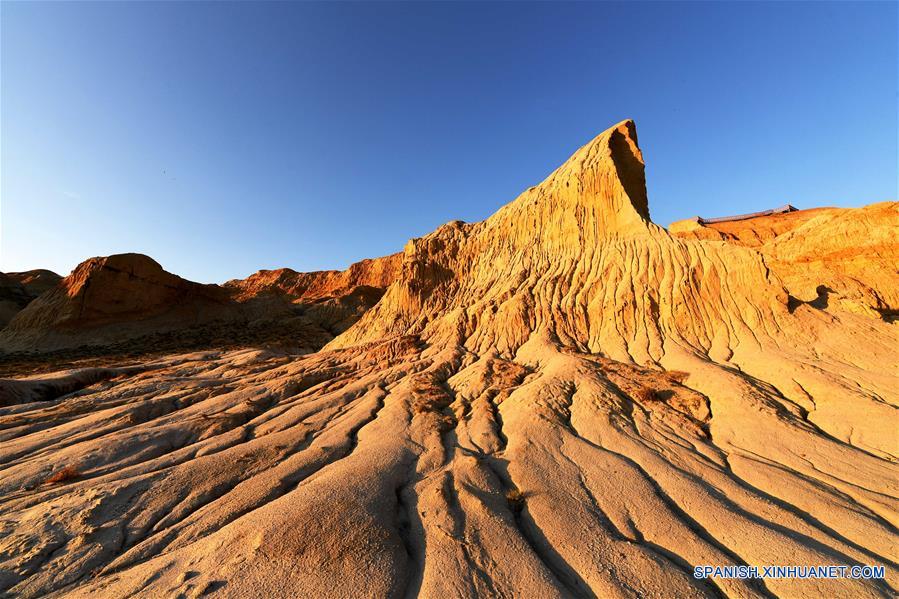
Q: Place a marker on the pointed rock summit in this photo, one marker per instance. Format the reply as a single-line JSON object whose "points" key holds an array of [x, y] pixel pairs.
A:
{"points": [[576, 257], [598, 193], [606, 175]]}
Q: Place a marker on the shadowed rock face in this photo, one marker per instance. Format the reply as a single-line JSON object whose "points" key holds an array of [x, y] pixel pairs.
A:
{"points": [[35, 281], [18, 289], [561, 400]]}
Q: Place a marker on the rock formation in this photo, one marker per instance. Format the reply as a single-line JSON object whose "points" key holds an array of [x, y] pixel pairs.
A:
{"points": [[562, 400], [35, 281], [103, 296], [130, 298], [823, 255], [18, 289], [377, 273]]}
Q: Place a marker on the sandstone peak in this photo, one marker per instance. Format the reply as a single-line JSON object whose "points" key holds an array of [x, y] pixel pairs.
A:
{"points": [[582, 234], [600, 191], [616, 146]]}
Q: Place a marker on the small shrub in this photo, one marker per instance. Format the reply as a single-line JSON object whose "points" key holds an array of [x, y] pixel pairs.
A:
{"points": [[445, 422], [678, 376], [421, 407], [644, 394], [66, 474], [515, 499]]}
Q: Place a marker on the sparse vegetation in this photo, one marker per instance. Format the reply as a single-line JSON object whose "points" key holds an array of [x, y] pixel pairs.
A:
{"points": [[421, 407], [429, 397], [515, 499], [66, 474], [445, 422], [677, 376], [644, 394]]}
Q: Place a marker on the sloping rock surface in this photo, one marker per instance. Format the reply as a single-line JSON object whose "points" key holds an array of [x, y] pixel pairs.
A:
{"points": [[562, 400], [841, 256]]}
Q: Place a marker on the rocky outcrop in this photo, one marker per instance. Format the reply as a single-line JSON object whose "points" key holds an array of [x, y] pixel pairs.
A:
{"points": [[13, 297], [578, 258], [837, 258], [36, 281], [110, 299], [377, 273], [564, 400], [752, 232], [334, 299], [18, 289], [127, 297]]}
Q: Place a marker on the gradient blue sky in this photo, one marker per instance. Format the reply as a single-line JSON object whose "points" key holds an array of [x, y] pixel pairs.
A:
{"points": [[225, 138]]}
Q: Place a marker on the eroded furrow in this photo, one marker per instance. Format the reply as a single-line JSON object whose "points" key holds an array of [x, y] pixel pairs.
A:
{"points": [[552, 473]]}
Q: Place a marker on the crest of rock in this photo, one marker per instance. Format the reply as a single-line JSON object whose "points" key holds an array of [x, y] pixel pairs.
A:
{"points": [[111, 298], [577, 257]]}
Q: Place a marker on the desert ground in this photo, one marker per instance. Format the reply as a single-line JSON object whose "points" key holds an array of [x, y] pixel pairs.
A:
{"points": [[563, 400]]}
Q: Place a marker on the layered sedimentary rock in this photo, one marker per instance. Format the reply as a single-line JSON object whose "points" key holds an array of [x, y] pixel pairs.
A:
{"points": [[108, 299], [561, 400], [334, 299]]}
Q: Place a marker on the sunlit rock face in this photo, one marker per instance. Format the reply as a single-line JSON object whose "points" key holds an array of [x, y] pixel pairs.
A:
{"points": [[562, 400], [823, 255]]}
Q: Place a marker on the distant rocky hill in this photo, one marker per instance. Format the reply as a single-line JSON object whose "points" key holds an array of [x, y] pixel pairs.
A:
{"points": [[128, 300], [377, 273]]}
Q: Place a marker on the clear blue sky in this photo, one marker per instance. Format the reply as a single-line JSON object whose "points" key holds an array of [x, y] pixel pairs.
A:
{"points": [[225, 138]]}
